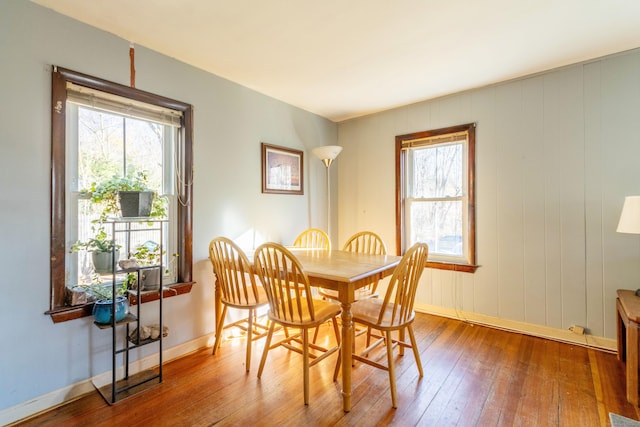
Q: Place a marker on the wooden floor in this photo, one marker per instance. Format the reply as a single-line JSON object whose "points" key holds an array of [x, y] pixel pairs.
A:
{"points": [[474, 376]]}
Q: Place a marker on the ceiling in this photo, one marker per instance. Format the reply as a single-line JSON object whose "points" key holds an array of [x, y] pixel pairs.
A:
{"points": [[346, 58]]}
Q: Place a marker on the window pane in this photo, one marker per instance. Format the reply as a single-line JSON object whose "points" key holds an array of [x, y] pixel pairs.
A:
{"points": [[144, 150], [437, 171], [439, 224], [111, 145], [100, 146]]}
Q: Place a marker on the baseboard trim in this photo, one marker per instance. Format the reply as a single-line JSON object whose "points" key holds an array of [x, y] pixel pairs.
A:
{"points": [[74, 391], [600, 343]]}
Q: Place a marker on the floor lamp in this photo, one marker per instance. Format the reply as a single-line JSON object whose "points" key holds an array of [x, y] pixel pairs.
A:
{"points": [[327, 153]]}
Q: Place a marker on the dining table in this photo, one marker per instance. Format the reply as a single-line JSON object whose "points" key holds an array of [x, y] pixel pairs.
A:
{"points": [[344, 272]]}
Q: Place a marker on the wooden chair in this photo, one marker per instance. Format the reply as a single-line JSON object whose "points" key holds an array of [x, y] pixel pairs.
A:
{"points": [[393, 313], [313, 238], [364, 242], [238, 289], [291, 305]]}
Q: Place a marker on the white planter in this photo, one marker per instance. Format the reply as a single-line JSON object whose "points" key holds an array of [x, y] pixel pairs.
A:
{"points": [[103, 262]]}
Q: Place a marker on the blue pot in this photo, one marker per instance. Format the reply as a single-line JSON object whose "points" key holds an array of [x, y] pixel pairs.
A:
{"points": [[102, 310]]}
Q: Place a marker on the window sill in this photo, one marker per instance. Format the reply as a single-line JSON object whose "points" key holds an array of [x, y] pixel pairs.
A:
{"points": [[70, 313], [441, 265]]}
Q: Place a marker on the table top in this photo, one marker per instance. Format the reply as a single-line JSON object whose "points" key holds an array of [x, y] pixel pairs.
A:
{"points": [[631, 304], [331, 268], [342, 266]]}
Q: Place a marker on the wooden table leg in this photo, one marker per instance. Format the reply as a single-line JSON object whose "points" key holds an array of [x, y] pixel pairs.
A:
{"points": [[632, 362], [622, 332], [347, 349], [628, 351]]}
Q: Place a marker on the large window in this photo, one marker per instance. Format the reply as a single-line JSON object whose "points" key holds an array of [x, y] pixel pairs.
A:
{"points": [[101, 132], [435, 195]]}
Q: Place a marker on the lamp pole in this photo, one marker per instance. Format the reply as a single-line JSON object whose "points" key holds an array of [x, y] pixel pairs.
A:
{"points": [[327, 154], [327, 163]]}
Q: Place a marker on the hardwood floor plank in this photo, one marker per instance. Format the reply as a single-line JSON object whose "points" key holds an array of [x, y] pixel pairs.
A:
{"points": [[480, 363], [494, 406], [473, 376]]}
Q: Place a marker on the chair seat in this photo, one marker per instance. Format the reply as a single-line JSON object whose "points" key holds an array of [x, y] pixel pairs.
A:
{"points": [[367, 312], [252, 300], [324, 310]]}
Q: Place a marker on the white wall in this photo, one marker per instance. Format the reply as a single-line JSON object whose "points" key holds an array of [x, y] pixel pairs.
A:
{"points": [[39, 357], [556, 155]]}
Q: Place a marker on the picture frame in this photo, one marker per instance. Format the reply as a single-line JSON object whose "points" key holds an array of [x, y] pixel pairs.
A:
{"points": [[282, 170]]}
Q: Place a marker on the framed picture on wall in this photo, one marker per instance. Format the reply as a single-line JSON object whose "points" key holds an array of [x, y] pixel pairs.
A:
{"points": [[282, 170]]}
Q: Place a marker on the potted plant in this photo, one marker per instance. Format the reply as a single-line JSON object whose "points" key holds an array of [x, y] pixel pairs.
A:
{"points": [[146, 255], [128, 196], [103, 306], [103, 251]]}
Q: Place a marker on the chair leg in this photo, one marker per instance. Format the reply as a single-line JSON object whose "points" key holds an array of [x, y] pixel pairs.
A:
{"points": [[267, 344], [249, 340], [336, 371], [219, 325], [336, 331], [305, 356], [317, 330], [414, 346], [392, 373]]}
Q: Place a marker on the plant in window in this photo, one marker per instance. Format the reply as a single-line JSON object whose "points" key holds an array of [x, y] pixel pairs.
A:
{"points": [[107, 193], [99, 243], [147, 253], [102, 249], [104, 291]]}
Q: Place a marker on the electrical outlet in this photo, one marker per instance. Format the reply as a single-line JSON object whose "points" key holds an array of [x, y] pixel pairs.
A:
{"points": [[578, 330]]}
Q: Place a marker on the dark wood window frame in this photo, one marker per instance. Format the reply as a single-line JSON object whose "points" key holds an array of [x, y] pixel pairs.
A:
{"points": [[400, 191], [60, 76]]}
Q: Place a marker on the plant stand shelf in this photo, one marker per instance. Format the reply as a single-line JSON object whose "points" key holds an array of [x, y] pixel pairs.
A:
{"points": [[127, 319], [127, 387], [130, 384]]}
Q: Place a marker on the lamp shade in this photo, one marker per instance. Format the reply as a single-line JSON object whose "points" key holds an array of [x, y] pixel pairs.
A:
{"points": [[630, 216], [327, 152]]}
